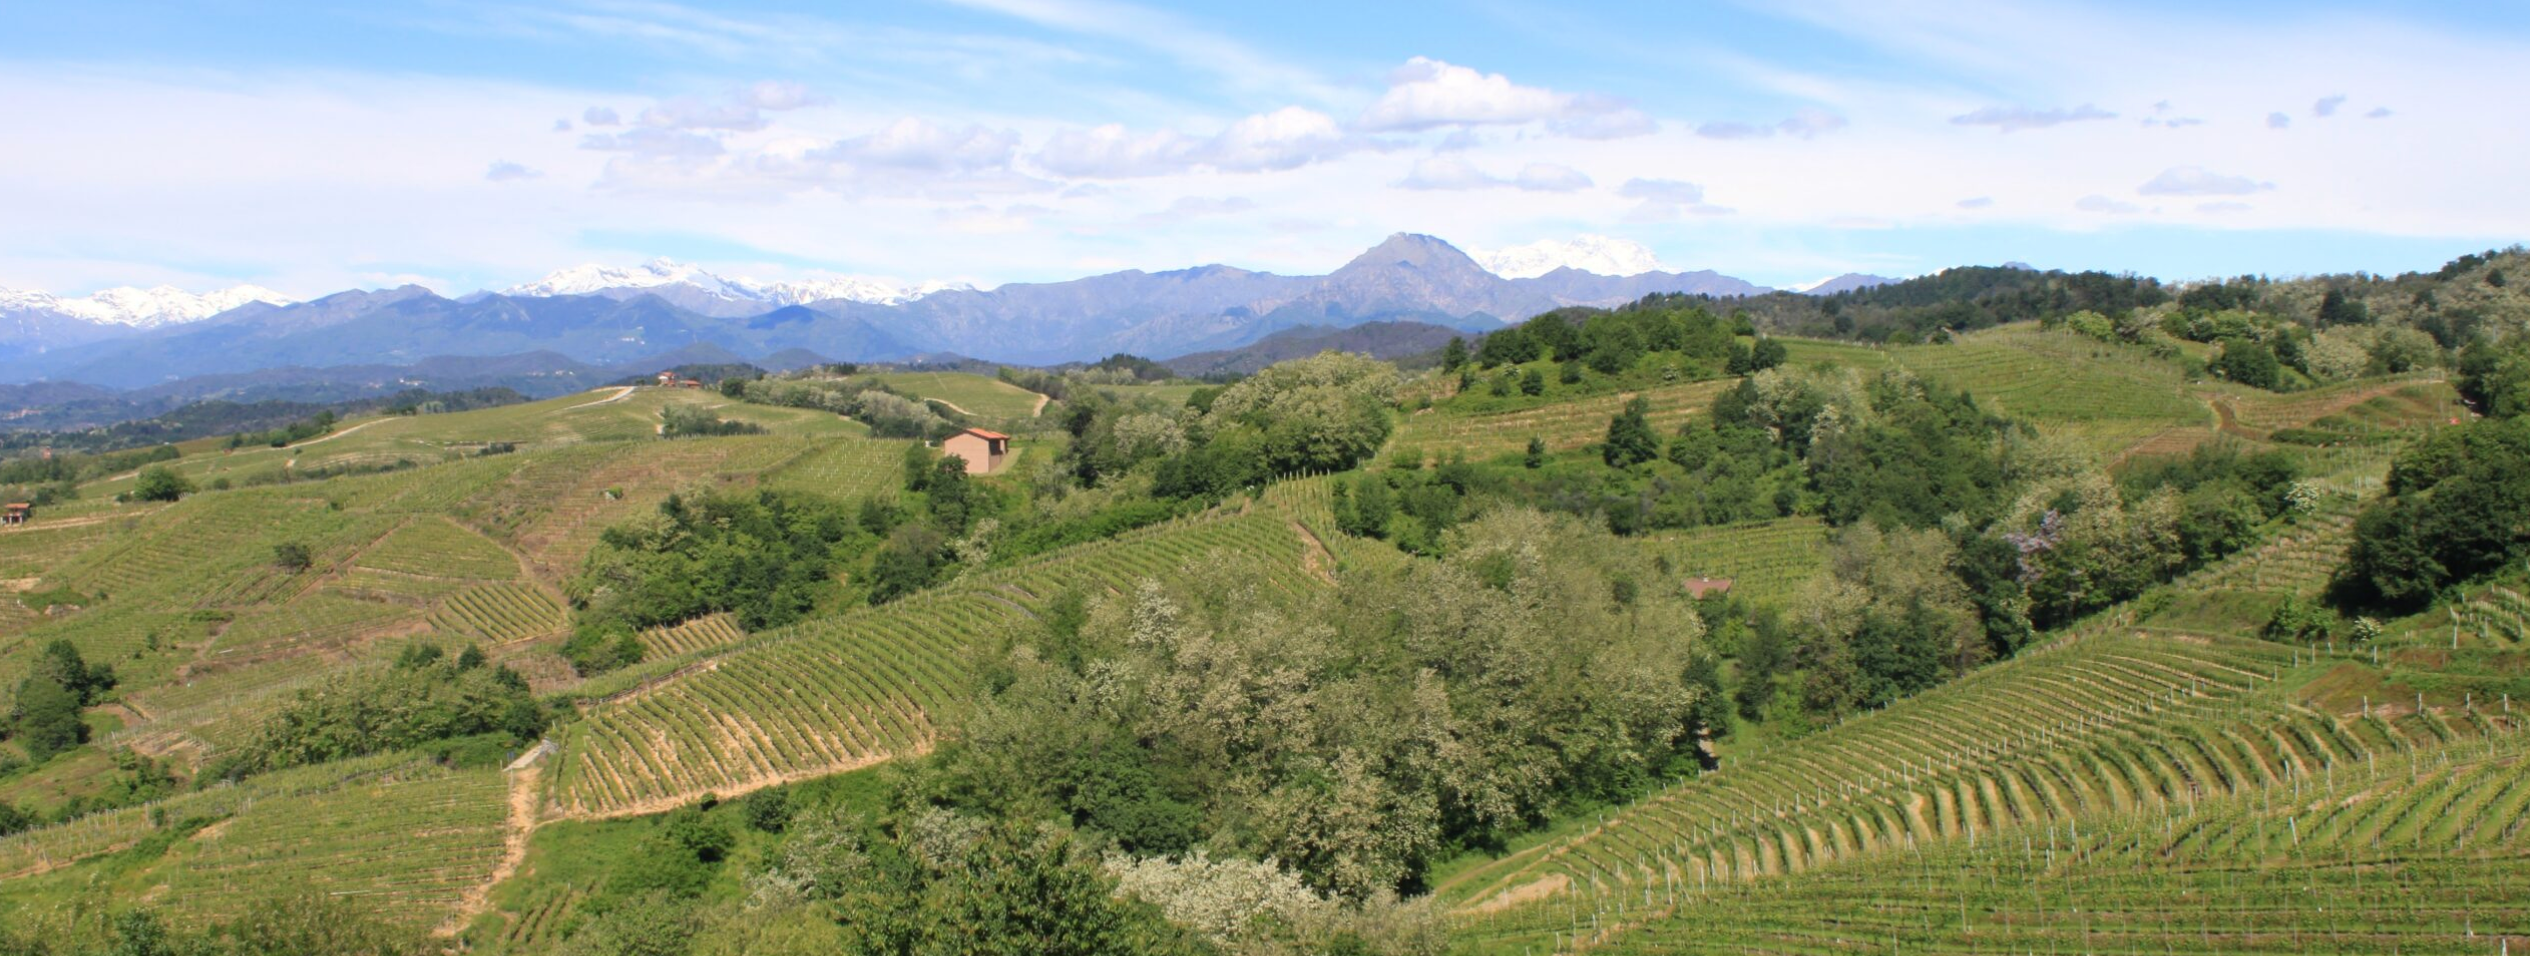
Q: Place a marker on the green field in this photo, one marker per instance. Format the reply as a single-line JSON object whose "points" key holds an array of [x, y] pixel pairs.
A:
{"points": [[986, 398]]}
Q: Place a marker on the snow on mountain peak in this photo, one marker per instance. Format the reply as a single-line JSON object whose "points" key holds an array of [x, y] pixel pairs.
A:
{"points": [[593, 279], [140, 308], [1604, 255]]}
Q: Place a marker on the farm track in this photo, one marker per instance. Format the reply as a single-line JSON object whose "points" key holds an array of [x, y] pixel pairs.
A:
{"points": [[621, 392]]}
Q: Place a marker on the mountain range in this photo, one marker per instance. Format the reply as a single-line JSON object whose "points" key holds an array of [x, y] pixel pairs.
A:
{"points": [[602, 316]]}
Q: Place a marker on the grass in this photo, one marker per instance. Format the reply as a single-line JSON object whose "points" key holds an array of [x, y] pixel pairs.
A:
{"points": [[976, 395]]}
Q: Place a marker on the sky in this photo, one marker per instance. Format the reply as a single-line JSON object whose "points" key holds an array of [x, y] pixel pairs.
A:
{"points": [[311, 147]]}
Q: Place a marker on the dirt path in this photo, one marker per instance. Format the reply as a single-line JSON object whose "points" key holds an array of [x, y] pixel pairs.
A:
{"points": [[1314, 556], [621, 392], [330, 436], [523, 787], [952, 406], [1039, 411]]}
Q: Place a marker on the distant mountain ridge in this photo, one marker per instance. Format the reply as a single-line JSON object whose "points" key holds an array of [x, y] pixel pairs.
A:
{"points": [[602, 316]]}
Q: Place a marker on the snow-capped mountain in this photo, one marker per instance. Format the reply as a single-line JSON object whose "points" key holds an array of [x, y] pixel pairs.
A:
{"points": [[1603, 255], [695, 287], [139, 308]]}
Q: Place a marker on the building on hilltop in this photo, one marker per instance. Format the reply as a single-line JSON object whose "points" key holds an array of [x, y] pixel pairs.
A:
{"points": [[16, 512], [984, 451], [667, 379]]}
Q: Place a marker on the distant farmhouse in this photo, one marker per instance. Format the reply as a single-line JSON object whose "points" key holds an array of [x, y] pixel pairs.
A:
{"points": [[669, 379], [1700, 588], [984, 451], [16, 512]]}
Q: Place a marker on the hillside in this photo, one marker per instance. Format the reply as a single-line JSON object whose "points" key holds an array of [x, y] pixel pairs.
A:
{"points": [[1376, 626]]}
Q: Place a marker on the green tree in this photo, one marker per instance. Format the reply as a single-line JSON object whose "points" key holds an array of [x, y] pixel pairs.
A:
{"points": [[291, 556], [1454, 355], [160, 483], [1630, 439], [2250, 363], [1535, 458]]}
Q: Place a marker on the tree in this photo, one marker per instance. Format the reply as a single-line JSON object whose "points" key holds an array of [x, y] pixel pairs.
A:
{"points": [[2250, 363], [1630, 439], [1769, 353], [1533, 383], [1454, 355], [291, 556], [1536, 456], [160, 483]]}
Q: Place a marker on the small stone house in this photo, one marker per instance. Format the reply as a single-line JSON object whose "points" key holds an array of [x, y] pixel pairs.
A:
{"points": [[16, 512], [984, 451]]}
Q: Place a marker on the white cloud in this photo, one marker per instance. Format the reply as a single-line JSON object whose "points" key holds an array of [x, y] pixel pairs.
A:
{"points": [[1605, 255], [2222, 208], [778, 95], [2102, 204], [1975, 202], [919, 145], [1197, 207], [2010, 119], [1429, 94], [687, 112], [1285, 139], [1550, 178], [1449, 172], [2378, 112], [2327, 105], [1805, 124], [506, 171], [2278, 121], [562, 126], [2199, 181], [1662, 200], [601, 116]]}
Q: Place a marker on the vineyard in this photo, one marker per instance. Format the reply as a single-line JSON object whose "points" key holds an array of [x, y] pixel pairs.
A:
{"points": [[2103, 726], [844, 468], [2419, 852], [834, 694], [1766, 561], [498, 614], [1563, 426]]}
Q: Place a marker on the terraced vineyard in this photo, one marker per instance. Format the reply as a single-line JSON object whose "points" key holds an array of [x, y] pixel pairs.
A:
{"points": [[2415, 853], [2103, 725], [842, 692], [1563, 425], [437, 547], [1766, 561], [699, 634], [2057, 377], [845, 468], [498, 613], [415, 839]]}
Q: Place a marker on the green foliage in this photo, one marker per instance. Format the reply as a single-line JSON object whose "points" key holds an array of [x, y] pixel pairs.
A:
{"points": [[695, 421], [2297, 621], [1630, 440], [421, 700], [2250, 363], [766, 557], [291, 556], [1510, 679], [2456, 501], [45, 713], [160, 483]]}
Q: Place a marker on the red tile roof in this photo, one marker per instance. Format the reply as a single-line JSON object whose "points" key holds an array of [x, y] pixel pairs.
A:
{"points": [[980, 433]]}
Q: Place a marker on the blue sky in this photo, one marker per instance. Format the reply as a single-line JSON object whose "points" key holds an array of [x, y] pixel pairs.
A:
{"points": [[311, 147]]}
